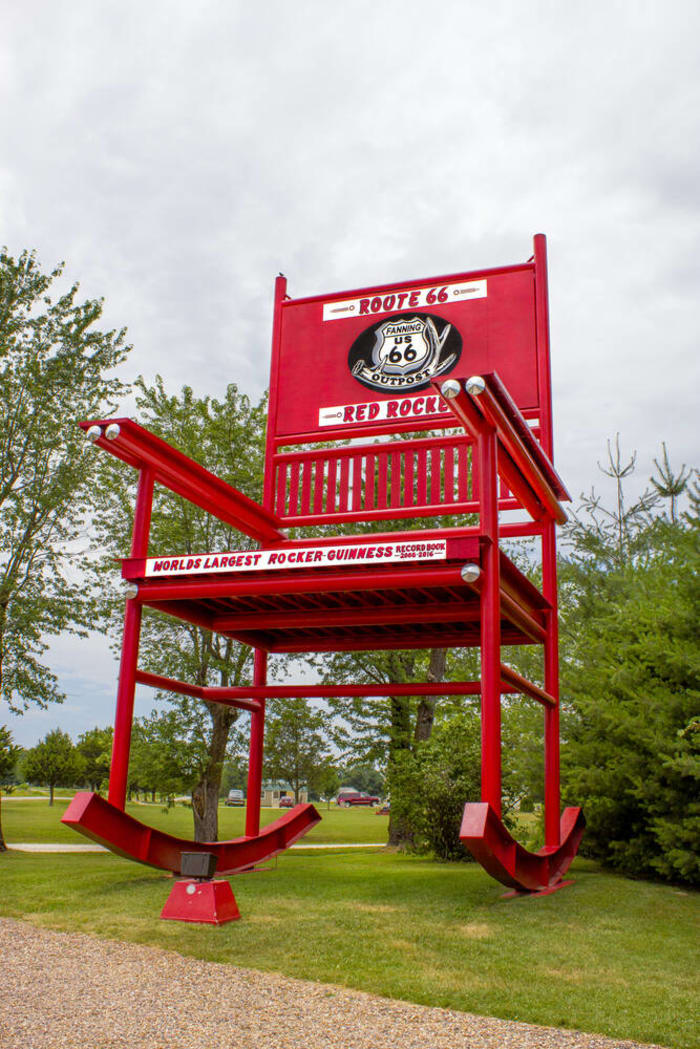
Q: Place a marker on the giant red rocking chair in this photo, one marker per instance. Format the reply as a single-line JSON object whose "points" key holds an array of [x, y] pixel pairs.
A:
{"points": [[355, 377]]}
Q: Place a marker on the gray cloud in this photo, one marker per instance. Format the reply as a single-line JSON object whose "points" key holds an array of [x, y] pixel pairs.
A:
{"points": [[178, 156]]}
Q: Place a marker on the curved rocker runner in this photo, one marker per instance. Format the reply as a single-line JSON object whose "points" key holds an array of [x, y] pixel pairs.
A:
{"points": [[121, 833], [491, 845]]}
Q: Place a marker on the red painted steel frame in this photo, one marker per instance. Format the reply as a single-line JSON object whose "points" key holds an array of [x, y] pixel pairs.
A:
{"points": [[123, 717], [255, 755], [501, 461]]}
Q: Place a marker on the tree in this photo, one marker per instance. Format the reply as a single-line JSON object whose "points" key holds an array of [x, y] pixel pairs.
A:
{"points": [[8, 758], [383, 731], [364, 777], [53, 363], [234, 776], [631, 685], [169, 756], [54, 762], [670, 485], [327, 781], [430, 784], [227, 437], [95, 746], [295, 744]]}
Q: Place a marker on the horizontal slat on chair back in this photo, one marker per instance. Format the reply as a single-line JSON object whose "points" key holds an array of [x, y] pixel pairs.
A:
{"points": [[383, 481]]}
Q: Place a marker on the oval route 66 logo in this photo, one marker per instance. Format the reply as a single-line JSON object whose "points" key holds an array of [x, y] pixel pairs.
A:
{"points": [[404, 352]]}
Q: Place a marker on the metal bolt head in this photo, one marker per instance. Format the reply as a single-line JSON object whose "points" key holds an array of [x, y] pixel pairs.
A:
{"points": [[112, 431], [450, 388], [93, 433], [470, 573], [475, 385]]}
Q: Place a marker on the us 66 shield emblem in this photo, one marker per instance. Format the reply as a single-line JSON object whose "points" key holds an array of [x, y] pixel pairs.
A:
{"points": [[404, 352]]}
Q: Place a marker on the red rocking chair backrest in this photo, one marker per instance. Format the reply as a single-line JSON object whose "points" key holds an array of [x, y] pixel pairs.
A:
{"points": [[353, 370]]}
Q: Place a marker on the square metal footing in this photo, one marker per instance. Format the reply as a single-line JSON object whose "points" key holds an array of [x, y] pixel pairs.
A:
{"points": [[208, 902]]}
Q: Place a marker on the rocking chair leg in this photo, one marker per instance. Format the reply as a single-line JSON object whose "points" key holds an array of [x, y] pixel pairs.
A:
{"points": [[552, 801], [119, 772], [490, 629], [255, 760]]}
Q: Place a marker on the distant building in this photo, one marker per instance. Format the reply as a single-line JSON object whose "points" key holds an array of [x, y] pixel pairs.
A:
{"points": [[273, 790]]}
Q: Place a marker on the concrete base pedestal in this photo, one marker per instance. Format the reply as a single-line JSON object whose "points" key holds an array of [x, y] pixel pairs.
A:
{"points": [[209, 902]]}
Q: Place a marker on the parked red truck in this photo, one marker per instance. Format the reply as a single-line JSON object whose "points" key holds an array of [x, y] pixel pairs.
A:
{"points": [[346, 798]]}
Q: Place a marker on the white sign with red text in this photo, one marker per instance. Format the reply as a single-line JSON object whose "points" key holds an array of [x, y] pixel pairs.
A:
{"points": [[375, 411], [298, 557], [409, 299]]}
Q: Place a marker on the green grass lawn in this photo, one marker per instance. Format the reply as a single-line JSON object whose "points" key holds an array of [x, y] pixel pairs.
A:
{"points": [[605, 955], [37, 821]]}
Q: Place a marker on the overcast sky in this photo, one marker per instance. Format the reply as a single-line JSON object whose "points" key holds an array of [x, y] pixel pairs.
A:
{"points": [[179, 155]]}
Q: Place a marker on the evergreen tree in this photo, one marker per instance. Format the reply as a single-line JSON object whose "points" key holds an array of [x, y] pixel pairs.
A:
{"points": [[631, 686]]}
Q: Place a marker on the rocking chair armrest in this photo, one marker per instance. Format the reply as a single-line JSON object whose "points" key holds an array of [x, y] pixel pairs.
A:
{"points": [[138, 447], [522, 462], [499, 403]]}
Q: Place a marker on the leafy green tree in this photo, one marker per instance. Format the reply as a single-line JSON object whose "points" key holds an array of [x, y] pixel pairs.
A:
{"points": [[382, 731], [327, 781], [54, 762], [8, 758], [631, 686], [365, 777], [53, 368], [143, 773], [95, 746], [295, 743], [169, 754], [234, 776], [430, 785], [226, 436]]}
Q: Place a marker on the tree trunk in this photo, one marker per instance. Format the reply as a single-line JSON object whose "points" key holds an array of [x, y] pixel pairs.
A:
{"points": [[205, 796], [400, 833], [50, 793], [3, 846], [425, 714]]}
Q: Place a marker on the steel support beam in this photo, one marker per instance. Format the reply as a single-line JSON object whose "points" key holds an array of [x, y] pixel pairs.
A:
{"points": [[255, 752], [124, 715]]}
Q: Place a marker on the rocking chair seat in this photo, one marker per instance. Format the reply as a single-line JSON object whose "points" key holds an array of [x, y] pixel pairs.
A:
{"points": [[423, 604]]}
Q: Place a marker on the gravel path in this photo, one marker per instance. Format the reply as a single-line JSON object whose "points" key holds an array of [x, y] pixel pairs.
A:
{"points": [[69, 991]]}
